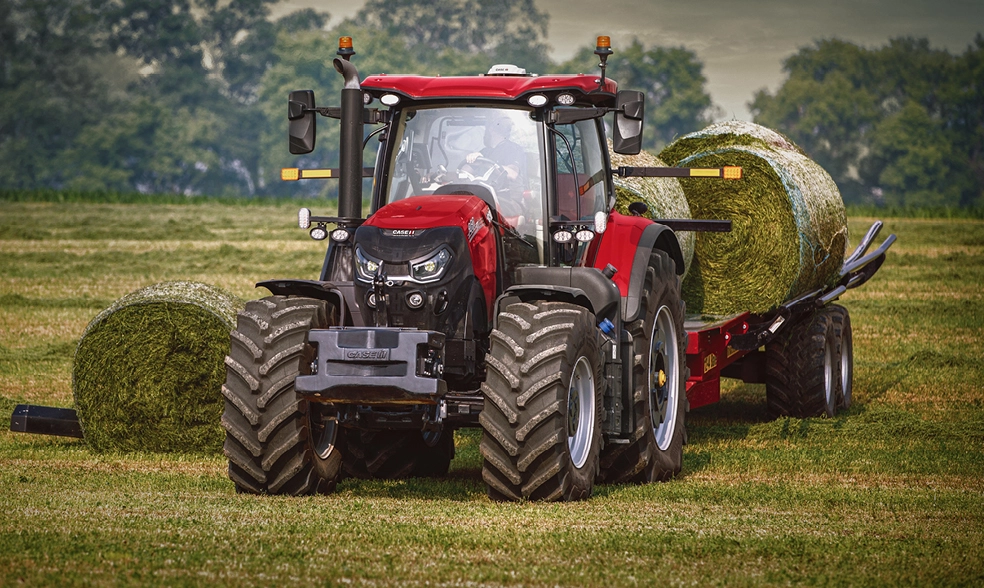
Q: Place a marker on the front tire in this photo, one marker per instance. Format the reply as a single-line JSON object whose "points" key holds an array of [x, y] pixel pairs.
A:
{"points": [[543, 404], [276, 441], [659, 406]]}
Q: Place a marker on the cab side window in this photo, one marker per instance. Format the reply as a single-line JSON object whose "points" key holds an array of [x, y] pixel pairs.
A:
{"points": [[582, 186]]}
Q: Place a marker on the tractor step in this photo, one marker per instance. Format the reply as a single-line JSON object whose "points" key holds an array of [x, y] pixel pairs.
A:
{"points": [[46, 420]]}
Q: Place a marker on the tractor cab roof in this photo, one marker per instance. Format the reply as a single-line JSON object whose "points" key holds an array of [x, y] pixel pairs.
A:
{"points": [[585, 89]]}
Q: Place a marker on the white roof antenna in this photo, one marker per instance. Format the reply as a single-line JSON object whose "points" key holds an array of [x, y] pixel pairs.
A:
{"points": [[506, 69]]}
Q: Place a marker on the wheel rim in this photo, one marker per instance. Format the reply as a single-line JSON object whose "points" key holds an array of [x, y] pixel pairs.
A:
{"points": [[664, 378], [580, 412], [847, 366], [829, 389], [324, 429]]}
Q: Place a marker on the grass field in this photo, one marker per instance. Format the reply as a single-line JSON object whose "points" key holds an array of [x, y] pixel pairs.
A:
{"points": [[889, 493]]}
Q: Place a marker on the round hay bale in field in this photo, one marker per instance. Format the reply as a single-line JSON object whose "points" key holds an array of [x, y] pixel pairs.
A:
{"points": [[789, 228], [664, 196], [149, 369]]}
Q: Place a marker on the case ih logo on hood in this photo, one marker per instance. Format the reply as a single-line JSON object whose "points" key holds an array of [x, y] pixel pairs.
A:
{"points": [[402, 232]]}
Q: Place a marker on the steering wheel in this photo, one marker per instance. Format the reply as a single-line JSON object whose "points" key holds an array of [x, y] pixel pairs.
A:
{"points": [[492, 174]]}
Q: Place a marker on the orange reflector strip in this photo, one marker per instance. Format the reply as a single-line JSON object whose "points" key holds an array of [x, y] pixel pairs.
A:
{"points": [[289, 174], [705, 172], [312, 174], [732, 172]]}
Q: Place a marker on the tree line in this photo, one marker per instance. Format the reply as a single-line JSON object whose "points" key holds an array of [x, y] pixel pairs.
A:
{"points": [[898, 125], [188, 96]]}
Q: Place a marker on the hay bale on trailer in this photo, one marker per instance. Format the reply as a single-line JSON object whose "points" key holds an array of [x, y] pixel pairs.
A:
{"points": [[789, 228], [664, 196], [149, 369]]}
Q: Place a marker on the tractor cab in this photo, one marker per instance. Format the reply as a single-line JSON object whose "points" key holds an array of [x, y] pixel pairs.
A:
{"points": [[534, 176]]}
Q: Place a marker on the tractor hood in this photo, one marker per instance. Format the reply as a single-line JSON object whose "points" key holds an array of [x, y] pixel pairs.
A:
{"points": [[424, 212], [406, 229]]}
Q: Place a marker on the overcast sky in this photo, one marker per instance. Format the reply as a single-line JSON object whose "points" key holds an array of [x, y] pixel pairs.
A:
{"points": [[741, 42]]}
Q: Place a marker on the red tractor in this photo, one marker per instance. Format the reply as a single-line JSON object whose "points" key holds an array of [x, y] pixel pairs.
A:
{"points": [[492, 285]]}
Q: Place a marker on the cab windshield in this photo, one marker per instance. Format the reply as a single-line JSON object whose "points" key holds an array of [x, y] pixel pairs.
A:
{"points": [[494, 153]]}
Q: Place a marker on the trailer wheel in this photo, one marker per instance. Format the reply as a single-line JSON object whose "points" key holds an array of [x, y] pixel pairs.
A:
{"points": [[276, 441], [543, 404], [655, 450], [844, 344], [802, 371], [390, 454]]}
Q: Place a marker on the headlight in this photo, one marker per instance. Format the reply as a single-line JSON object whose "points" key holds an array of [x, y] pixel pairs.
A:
{"points": [[431, 269], [367, 267]]}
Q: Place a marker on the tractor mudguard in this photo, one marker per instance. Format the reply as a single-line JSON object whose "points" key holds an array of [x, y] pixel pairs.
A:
{"points": [[327, 291], [584, 286], [341, 294], [655, 236], [626, 245]]}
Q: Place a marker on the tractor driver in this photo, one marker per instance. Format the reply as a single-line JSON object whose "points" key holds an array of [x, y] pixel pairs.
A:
{"points": [[510, 158]]}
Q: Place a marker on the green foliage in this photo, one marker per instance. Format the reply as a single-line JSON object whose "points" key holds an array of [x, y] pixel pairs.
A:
{"points": [[910, 160], [897, 125], [508, 31], [134, 94], [187, 97]]}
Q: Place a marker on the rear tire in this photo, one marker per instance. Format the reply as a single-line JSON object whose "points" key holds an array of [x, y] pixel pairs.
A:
{"points": [[393, 454], [802, 371], [655, 450], [276, 441], [543, 404]]}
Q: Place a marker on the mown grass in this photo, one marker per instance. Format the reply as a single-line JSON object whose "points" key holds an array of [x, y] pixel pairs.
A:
{"points": [[889, 493]]}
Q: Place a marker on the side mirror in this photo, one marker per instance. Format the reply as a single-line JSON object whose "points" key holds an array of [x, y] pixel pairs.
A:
{"points": [[302, 121], [630, 106]]}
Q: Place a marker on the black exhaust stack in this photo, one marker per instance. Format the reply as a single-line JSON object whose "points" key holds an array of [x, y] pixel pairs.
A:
{"points": [[350, 145]]}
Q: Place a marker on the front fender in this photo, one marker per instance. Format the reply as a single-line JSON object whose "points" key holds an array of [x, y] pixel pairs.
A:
{"points": [[327, 291], [584, 286]]}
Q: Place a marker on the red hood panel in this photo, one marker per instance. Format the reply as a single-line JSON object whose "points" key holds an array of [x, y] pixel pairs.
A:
{"points": [[424, 212]]}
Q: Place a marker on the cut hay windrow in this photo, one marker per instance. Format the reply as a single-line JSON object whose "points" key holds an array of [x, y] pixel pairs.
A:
{"points": [[149, 370], [664, 196], [789, 228]]}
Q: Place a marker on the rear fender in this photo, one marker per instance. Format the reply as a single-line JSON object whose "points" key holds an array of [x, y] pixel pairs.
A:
{"points": [[627, 244], [655, 238]]}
